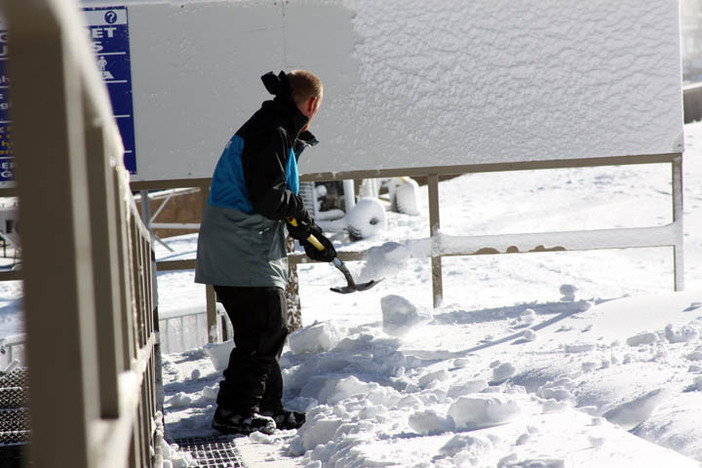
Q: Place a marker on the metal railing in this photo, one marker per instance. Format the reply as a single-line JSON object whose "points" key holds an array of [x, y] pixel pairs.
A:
{"points": [[87, 257]]}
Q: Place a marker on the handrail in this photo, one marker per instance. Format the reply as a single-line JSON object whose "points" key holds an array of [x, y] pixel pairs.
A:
{"points": [[89, 299]]}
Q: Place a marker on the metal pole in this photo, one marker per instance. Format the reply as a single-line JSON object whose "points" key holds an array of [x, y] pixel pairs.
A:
{"points": [[678, 250], [434, 228], [210, 297], [349, 195]]}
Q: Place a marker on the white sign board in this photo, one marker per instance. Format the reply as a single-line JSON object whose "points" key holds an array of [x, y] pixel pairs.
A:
{"points": [[460, 83]]}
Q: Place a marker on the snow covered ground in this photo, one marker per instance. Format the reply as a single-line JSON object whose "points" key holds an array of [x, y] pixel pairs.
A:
{"points": [[574, 359], [541, 359]]}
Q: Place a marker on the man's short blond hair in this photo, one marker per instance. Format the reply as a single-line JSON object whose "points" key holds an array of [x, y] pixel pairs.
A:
{"points": [[304, 85]]}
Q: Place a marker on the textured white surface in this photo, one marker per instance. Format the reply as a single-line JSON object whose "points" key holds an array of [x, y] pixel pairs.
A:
{"points": [[460, 83], [494, 81]]}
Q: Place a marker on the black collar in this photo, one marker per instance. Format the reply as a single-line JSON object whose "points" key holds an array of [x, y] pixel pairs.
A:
{"points": [[295, 119]]}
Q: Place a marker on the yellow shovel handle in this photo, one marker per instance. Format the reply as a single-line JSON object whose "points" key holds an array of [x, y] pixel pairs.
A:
{"points": [[311, 239]]}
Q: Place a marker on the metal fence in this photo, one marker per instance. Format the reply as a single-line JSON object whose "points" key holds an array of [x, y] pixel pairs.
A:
{"points": [[187, 330], [87, 257]]}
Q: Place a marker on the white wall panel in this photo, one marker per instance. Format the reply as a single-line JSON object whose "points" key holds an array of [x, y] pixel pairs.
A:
{"points": [[459, 83]]}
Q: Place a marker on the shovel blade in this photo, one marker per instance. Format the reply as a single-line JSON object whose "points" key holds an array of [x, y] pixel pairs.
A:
{"points": [[343, 289], [355, 287]]}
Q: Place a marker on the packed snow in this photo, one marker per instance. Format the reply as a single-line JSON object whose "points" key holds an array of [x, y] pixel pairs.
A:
{"points": [[558, 359]]}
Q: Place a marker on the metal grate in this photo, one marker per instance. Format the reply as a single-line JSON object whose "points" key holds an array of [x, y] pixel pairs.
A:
{"points": [[14, 415], [16, 378], [14, 419], [212, 452], [13, 397]]}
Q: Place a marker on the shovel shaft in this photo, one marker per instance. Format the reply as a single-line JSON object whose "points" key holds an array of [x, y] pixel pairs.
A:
{"points": [[345, 271]]}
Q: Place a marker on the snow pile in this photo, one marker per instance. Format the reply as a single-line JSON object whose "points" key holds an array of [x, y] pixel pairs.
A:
{"points": [[400, 315], [219, 354], [484, 410], [383, 261], [632, 413], [173, 457], [320, 336], [404, 195]]}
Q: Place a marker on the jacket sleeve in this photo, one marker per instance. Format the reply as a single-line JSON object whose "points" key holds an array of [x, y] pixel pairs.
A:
{"points": [[263, 160]]}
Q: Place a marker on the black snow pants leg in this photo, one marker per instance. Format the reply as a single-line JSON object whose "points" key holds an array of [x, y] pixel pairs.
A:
{"points": [[252, 381]]}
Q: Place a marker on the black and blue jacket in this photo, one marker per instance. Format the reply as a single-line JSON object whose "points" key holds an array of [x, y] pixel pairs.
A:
{"points": [[257, 172], [254, 188]]}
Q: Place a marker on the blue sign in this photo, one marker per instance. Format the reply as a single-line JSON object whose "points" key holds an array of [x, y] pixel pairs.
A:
{"points": [[109, 33], [7, 160]]}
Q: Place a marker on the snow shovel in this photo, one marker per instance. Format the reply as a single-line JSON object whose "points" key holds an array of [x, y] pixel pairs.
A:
{"points": [[351, 285]]}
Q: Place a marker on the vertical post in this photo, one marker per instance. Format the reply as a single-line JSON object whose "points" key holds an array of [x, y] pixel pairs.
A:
{"points": [[678, 251], [146, 210], [57, 256], [125, 282], [106, 272], [434, 228], [292, 291], [210, 296], [349, 195]]}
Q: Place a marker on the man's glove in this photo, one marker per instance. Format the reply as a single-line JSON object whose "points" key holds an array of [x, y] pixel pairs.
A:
{"points": [[326, 255], [301, 227]]}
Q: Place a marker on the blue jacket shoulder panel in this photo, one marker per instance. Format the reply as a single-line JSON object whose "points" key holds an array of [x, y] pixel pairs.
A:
{"points": [[228, 188]]}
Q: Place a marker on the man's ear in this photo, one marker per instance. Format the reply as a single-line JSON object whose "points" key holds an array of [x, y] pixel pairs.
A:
{"points": [[312, 104]]}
